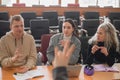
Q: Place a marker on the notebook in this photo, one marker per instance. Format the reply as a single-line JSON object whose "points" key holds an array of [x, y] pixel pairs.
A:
{"points": [[102, 67], [74, 70], [28, 75]]}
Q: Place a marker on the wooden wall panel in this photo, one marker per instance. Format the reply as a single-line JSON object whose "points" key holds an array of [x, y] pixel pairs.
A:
{"points": [[60, 10]]}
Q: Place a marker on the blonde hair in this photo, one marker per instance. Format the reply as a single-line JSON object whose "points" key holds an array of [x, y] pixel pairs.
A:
{"points": [[111, 36]]}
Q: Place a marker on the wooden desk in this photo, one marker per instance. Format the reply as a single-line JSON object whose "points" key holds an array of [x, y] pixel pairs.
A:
{"points": [[7, 74]]}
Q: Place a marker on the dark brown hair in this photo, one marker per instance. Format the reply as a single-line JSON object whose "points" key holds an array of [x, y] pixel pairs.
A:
{"points": [[75, 27]]}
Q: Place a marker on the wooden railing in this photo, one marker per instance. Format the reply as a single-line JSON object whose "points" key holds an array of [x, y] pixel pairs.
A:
{"points": [[60, 10]]}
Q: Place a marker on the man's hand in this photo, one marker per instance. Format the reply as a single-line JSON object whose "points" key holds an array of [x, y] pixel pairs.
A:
{"points": [[17, 55], [64, 42], [21, 69]]}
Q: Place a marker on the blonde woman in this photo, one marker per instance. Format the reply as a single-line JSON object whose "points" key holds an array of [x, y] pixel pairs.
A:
{"points": [[104, 45]]}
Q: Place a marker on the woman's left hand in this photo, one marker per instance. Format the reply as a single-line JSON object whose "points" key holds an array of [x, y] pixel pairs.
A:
{"points": [[104, 50]]}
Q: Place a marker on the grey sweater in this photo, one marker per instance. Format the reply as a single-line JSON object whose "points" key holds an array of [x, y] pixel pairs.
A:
{"points": [[54, 41]]}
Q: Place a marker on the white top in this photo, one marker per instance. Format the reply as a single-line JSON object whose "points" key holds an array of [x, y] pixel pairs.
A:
{"points": [[67, 38]]}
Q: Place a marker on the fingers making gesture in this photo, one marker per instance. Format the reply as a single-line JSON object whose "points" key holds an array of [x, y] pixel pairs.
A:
{"points": [[62, 57]]}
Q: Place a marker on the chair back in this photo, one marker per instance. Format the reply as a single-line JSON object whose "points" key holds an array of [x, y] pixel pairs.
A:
{"points": [[114, 16], [27, 17], [4, 15], [84, 48], [91, 26], [116, 23], [39, 27], [91, 15], [45, 38], [4, 27], [75, 15], [52, 16]]}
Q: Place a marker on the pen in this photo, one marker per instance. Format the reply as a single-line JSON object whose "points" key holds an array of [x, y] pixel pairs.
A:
{"points": [[18, 74], [15, 73]]}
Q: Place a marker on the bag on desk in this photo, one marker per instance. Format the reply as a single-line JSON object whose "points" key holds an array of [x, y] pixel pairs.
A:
{"points": [[73, 70]]}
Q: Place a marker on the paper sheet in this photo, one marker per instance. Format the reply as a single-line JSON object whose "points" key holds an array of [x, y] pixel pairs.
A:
{"points": [[28, 75], [102, 67]]}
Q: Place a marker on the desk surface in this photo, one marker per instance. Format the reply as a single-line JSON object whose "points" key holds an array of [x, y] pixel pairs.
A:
{"points": [[7, 74]]}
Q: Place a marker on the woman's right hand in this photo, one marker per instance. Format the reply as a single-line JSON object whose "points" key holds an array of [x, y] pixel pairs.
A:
{"points": [[62, 57], [94, 49], [63, 42]]}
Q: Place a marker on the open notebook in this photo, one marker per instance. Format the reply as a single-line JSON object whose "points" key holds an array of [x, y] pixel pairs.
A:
{"points": [[74, 70], [28, 75], [102, 67]]}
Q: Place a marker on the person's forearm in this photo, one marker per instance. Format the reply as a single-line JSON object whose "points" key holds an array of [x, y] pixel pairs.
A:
{"points": [[110, 60], [89, 59], [31, 62], [50, 58], [60, 73], [7, 62]]}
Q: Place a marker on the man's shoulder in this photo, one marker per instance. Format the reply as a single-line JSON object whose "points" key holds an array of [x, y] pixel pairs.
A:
{"points": [[26, 35], [4, 37]]}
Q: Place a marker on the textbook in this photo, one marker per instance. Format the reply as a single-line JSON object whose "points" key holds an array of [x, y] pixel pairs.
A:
{"points": [[102, 67], [28, 75]]}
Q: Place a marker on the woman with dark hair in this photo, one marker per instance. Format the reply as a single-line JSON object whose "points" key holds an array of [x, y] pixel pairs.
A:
{"points": [[69, 32], [104, 45]]}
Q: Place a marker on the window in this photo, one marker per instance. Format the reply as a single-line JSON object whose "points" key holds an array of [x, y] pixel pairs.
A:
{"points": [[114, 3], [86, 3], [39, 2], [64, 3], [49, 2], [8, 2], [101, 3], [30, 2]]}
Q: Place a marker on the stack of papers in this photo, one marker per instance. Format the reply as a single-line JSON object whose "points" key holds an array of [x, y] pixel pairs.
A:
{"points": [[28, 75], [102, 67]]}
